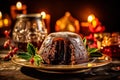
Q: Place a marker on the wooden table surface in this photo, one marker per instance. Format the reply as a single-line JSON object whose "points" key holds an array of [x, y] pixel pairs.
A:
{"points": [[12, 71]]}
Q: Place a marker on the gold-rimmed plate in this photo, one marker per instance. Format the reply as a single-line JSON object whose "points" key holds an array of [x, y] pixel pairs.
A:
{"points": [[92, 63]]}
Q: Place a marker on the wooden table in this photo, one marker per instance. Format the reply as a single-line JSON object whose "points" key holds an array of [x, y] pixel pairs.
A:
{"points": [[12, 71]]}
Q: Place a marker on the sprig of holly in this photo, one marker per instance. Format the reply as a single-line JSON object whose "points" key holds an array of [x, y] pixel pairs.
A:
{"points": [[92, 52], [31, 55]]}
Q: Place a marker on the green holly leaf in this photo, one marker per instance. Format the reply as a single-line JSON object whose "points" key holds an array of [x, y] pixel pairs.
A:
{"points": [[24, 55], [96, 54], [31, 53], [84, 41], [38, 59], [92, 50], [31, 49]]}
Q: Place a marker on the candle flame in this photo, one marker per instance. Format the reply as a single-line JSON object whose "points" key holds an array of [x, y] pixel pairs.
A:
{"points": [[19, 5], [91, 18], [43, 14], [0, 15]]}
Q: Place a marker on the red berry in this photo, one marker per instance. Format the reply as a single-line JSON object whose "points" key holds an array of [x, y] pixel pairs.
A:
{"points": [[32, 60], [7, 43], [7, 57], [6, 32], [10, 53], [14, 50]]}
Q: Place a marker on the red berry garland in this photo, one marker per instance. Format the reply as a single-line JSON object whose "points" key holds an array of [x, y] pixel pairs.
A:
{"points": [[8, 43]]}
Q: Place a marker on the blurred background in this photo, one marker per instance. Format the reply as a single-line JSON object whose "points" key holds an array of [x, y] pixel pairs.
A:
{"points": [[107, 11]]}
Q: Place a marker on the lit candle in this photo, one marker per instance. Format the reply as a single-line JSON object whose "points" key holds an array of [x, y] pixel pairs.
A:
{"points": [[0, 15], [19, 5], [17, 9], [1, 23], [46, 18], [91, 18], [43, 14]]}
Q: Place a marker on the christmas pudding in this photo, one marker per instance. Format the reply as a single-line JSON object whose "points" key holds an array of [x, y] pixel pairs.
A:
{"points": [[63, 48]]}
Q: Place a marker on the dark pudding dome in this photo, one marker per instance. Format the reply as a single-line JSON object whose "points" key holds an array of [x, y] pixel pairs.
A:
{"points": [[63, 48]]}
